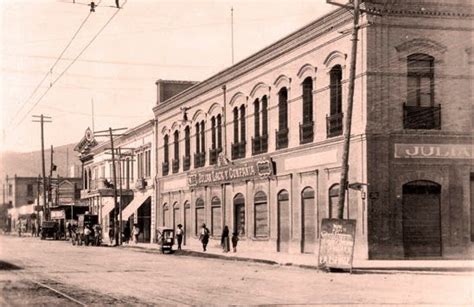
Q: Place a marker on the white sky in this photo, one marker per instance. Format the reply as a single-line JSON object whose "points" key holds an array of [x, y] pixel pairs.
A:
{"points": [[147, 40]]}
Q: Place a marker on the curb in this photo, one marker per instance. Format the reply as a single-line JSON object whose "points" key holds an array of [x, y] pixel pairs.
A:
{"points": [[355, 270]]}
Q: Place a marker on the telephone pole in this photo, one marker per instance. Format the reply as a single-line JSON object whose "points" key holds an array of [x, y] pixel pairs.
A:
{"points": [[43, 119], [51, 166]]}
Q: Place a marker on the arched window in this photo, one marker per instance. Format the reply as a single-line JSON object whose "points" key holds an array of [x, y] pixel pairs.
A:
{"points": [[165, 165], [242, 124], [236, 125], [264, 116], [216, 216], [239, 214], [219, 131], [282, 133], [166, 215], [420, 80], [213, 132], [176, 152], [188, 228], [200, 155], [420, 111], [203, 138], [238, 147], [260, 215], [333, 201], [306, 128], [200, 217], [198, 139], [187, 149], [256, 116], [334, 120]]}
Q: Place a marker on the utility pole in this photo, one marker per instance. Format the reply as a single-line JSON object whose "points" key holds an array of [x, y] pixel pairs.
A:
{"points": [[43, 119], [111, 134], [51, 165], [343, 184]]}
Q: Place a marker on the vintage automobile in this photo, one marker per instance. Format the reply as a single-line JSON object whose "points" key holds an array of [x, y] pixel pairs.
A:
{"points": [[84, 232], [50, 229], [165, 237]]}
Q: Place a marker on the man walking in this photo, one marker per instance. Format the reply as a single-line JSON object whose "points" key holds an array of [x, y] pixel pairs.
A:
{"points": [[179, 235]]}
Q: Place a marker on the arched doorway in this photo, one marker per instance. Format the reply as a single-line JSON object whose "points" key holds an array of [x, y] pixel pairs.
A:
{"points": [[200, 215], [239, 214], [176, 217], [187, 222], [421, 219], [216, 216], [283, 221], [308, 221]]}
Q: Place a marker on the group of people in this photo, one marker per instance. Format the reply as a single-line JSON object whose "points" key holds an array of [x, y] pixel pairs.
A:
{"points": [[126, 234], [204, 235]]}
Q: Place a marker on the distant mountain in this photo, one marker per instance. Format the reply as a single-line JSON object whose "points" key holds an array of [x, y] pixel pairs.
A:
{"points": [[29, 163]]}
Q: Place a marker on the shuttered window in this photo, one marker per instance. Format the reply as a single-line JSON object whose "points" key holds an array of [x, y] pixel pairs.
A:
{"points": [[261, 215], [216, 216], [200, 215]]}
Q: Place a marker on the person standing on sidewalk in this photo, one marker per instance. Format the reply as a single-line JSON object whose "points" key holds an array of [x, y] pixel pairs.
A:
{"points": [[33, 230], [179, 235], [136, 232], [235, 239], [225, 240], [204, 236]]}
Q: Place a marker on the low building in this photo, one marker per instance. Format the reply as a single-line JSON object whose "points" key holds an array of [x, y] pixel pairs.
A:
{"points": [[258, 146]]}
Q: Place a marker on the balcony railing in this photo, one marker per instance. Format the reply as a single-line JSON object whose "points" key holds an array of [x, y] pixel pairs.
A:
{"points": [[238, 150], [306, 132], [260, 144], [334, 124], [281, 138], [186, 163], [199, 159], [165, 166], [175, 165], [415, 117], [213, 154]]}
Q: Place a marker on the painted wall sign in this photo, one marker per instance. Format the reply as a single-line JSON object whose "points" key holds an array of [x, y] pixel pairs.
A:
{"points": [[58, 215], [336, 248], [261, 168], [434, 151]]}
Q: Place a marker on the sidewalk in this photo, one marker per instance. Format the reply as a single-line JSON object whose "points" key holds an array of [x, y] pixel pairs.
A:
{"points": [[310, 261]]}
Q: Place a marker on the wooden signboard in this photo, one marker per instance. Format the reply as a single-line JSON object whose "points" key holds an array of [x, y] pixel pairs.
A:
{"points": [[336, 248]]}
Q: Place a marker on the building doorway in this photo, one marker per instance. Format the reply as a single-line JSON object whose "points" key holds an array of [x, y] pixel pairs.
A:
{"points": [[187, 222], [308, 221], [144, 221], [283, 241], [239, 214], [421, 219]]}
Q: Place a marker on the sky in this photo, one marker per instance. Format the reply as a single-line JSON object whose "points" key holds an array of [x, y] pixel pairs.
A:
{"points": [[117, 67]]}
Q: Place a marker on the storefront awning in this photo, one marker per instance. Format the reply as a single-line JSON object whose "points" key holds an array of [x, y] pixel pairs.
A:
{"points": [[138, 200], [107, 208]]}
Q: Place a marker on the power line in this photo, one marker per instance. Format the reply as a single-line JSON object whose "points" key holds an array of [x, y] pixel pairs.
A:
{"points": [[70, 64], [51, 68]]}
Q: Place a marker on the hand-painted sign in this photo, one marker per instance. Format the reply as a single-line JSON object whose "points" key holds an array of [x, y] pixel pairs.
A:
{"points": [[336, 248], [58, 215], [262, 168], [434, 151]]}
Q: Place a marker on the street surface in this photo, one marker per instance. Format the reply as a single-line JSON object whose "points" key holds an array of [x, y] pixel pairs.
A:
{"points": [[53, 273]]}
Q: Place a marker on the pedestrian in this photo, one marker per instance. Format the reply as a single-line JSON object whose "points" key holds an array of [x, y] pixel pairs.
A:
{"points": [[33, 230], [97, 235], [126, 233], [235, 239], [179, 235], [111, 235], [19, 228], [87, 234], [204, 236], [136, 233], [225, 239], [69, 229]]}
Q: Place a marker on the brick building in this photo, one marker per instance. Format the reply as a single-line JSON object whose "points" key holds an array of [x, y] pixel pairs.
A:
{"points": [[258, 146]]}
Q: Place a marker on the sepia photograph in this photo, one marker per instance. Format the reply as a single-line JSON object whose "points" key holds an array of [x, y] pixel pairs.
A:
{"points": [[236, 152]]}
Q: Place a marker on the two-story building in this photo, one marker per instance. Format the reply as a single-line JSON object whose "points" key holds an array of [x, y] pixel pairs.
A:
{"points": [[258, 146], [134, 178]]}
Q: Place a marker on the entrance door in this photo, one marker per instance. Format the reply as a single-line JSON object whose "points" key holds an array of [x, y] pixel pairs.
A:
{"points": [[239, 214], [421, 219], [187, 223], [144, 221], [283, 221], [176, 217], [308, 221]]}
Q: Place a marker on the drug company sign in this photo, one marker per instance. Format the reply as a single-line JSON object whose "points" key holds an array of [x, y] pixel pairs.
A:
{"points": [[434, 151], [262, 168]]}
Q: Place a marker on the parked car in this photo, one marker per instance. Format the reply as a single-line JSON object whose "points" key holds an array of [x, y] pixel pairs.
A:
{"points": [[50, 229]]}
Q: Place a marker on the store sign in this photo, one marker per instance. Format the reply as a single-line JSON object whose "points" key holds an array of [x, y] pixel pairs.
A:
{"points": [[336, 248], [58, 215], [255, 169], [434, 151]]}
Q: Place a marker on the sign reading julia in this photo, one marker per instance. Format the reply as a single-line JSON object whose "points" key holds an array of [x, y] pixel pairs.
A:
{"points": [[434, 151], [336, 248], [261, 168]]}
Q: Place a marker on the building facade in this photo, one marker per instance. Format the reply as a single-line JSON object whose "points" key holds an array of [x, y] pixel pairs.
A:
{"points": [[258, 146], [134, 179]]}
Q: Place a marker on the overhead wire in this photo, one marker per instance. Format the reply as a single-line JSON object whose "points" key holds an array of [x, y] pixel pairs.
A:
{"points": [[72, 63]]}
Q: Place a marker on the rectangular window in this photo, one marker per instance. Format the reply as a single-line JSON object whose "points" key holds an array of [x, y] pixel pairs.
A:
{"points": [[257, 118], [200, 219], [216, 215], [261, 220]]}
